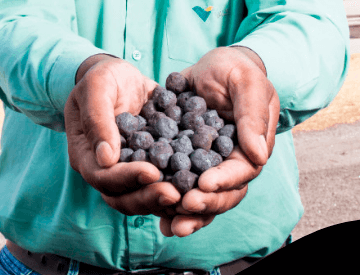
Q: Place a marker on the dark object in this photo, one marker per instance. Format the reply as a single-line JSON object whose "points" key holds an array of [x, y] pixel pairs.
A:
{"points": [[177, 83], [127, 124], [123, 141], [155, 118], [157, 91], [228, 130], [202, 139], [140, 155], [180, 161], [188, 133], [175, 113], [148, 109], [209, 114], [166, 127], [215, 158], [125, 154], [182, 145], [191, 121], [142, 122], [223, 145], [200, 161], [215, 122], [160, 153], [140, 140], [165, 99], [208, 129], [183, 98], [195, 104], [184, 180]]}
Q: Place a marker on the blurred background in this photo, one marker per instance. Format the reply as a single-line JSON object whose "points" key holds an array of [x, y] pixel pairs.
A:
{"points": [[328, 150]]}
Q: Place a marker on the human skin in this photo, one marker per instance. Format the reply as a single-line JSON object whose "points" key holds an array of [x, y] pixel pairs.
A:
{"points": [[232, 80]]}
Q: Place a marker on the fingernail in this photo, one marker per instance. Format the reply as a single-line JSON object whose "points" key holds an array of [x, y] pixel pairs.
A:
{"points": [[263, 148], [104, 154]]}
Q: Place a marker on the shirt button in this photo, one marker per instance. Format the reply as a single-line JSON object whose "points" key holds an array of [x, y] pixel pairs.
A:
{"points": [[139, 221], [136, 55]]}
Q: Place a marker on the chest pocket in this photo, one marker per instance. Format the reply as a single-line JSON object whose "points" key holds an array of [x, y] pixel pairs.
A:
{"points": [[195, 27]]}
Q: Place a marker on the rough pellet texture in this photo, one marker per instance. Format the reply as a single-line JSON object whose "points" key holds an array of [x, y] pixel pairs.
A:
{"points": [[195, 104], [191, 121], [142, 122], [125, 154], [127, 124], [188, 133], [200, 161], [223, 145], [166, 127], [208, 129], [180, 161], [175, 113], [209, 114], [160, 153], [148, 109], [166, 99], [140, 155], [182, 145], [202, 140], [140, 140], [215, 122], [184, 180], [228, 130], [177, 83], [183, 98], [215, 158]]}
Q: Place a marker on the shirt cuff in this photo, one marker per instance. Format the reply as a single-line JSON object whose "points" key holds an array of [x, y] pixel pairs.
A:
{"points": [[63, 73]]}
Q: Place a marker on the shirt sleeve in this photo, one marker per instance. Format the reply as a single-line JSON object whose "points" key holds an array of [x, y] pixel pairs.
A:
{"points": [[39, 57], [304, 46]]}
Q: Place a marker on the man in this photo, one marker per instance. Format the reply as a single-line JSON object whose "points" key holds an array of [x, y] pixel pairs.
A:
{"points": [[69, 67]]}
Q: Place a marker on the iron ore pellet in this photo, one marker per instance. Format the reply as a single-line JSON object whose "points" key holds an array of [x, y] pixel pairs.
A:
{"points": [[202, 140], [209, 114], [215, 158], [228, 130], [223, 145], [123, 141], [160, 153], [140, 155], [166, 99], [184, 181], [180, 161], [208, 129], [148, 109], [125, 154], [200, 161], [177, 83], [175, 113], [166, 127], [155, 118], [140, 140], [188, 133], [183, 98], [191, 121], [157, 91], [142, 122], [195, 104], [215, 122], [127, 124], [182, 145]]}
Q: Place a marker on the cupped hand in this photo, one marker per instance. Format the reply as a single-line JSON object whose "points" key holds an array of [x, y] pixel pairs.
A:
{"points": [[233, 81], [105, 87]]}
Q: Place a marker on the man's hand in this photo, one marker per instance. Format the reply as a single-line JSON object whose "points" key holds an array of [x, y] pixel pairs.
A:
{"points": [[107, 86], [233, 81]]}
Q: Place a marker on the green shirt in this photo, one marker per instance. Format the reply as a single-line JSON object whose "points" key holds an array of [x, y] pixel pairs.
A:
{"points": [[46, 206]]}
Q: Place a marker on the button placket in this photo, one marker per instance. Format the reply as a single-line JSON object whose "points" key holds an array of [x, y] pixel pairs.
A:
{"points": [[136, 55]]}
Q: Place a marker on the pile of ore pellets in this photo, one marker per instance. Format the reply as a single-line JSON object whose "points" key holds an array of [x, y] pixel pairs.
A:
{"points": [[177, 133]]}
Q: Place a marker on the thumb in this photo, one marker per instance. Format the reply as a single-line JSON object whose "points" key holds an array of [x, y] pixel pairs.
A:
{"points": [[97, 116]]}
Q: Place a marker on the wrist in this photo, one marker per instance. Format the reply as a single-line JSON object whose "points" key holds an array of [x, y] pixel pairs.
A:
{"points": [[253, 56], [90, 62]]}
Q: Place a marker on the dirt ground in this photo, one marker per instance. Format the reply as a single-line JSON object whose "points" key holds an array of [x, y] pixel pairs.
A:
{"points": [[328, 153]]}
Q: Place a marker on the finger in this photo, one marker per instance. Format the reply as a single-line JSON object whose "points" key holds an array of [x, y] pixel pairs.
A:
{"points": [[147, 200], [274, 112], [211, 203], [96, 96], [165, 227], [233, 173], [183, 225], [251, 98]]}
